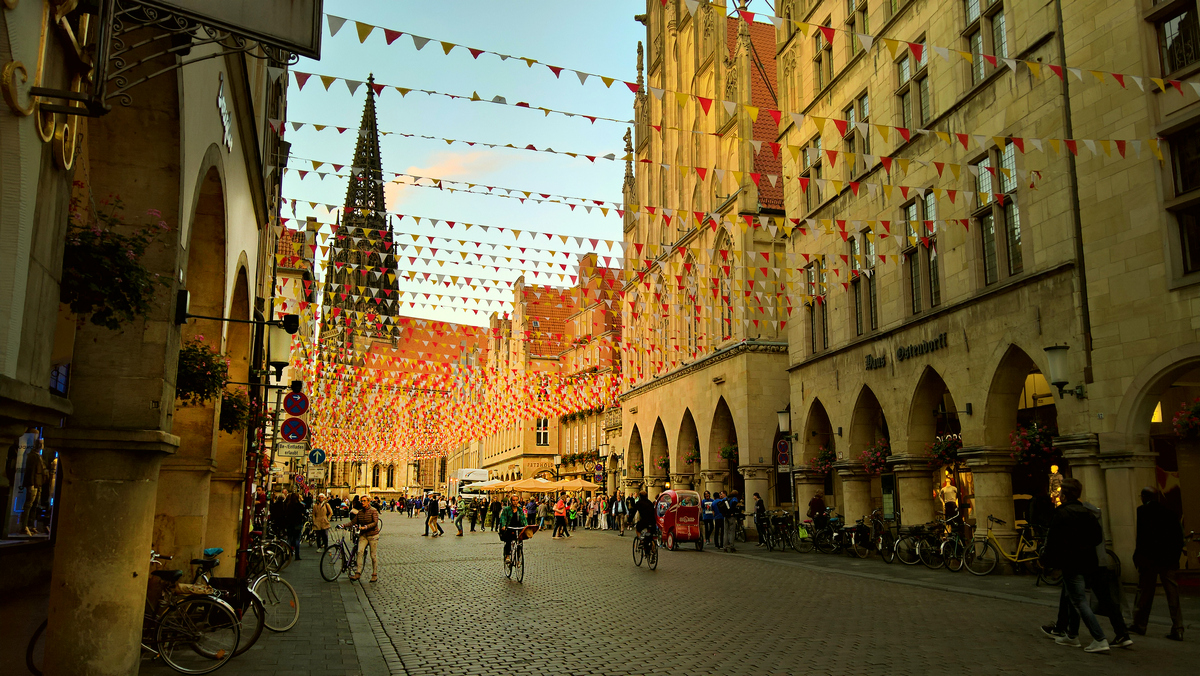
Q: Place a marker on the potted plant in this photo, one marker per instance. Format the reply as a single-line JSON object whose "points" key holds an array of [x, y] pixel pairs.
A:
{"points": [[202, 373], [102, 273], [823, 463], [1187, 421], [693, 456], [874, 459], [235, 411], [1033, 446], [944, 450], [639, 467], [664, 463], [729, 453]]}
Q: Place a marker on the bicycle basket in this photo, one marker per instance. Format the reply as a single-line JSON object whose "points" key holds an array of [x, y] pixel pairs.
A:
{"points": [[185, 589]]}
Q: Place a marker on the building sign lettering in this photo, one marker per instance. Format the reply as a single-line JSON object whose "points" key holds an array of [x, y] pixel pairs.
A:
{"points": [[874, 362], [925, 347], [223, 109]]}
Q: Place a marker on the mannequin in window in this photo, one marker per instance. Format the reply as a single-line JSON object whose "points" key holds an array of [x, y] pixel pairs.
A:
{"points": [[36, 476]]}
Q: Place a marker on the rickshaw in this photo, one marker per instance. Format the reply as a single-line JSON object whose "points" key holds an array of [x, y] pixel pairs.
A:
{"points": [[679, 518]]}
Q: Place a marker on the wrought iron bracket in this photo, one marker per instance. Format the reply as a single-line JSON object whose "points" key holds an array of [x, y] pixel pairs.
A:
{"points": [[128, 49]]}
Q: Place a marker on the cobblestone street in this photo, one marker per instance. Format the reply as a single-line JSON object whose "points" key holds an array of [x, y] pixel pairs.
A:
{"points": [[584, 608]]}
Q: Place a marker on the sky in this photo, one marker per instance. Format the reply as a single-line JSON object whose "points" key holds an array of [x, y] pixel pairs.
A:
{"points": [[597, 37]]}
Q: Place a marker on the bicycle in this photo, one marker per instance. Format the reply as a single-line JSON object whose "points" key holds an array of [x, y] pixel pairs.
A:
{"points": [[783, 529], [906, 545], [805, 537], [645, 547], [882, 540], [985, 552], [340, 556], [236, 592], [738, 528], [281, 603], [514, 563]]}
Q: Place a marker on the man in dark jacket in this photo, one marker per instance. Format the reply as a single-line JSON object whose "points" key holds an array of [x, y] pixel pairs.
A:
{"points": [[1071, 547], [1156, 555]]}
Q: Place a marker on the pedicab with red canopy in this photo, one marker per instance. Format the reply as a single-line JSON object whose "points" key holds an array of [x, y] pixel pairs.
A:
{"points": [[679, 518]]}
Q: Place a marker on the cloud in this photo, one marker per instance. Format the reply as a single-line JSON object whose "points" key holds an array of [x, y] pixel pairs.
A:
{"points": [[473, 165]]}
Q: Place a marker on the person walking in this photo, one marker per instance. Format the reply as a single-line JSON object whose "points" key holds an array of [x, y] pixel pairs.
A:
{"points": [[460, 513], [495, 508], [431, 518], [760, 518], [706, 516], [473, 513], [367, 520], [322, 513], [560, 519], [602, 513], [1156, 556], [720, 511], [619, 513], [1071, 547], [292, 522], [543, 513]]}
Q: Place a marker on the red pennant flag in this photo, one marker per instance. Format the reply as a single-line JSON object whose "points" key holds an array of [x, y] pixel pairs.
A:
{"points": [[775, 115], [1120, 79], [887, 162], [963, 139], [705, 104], [1072, 145], [803, 184], [748, 16], [1019, 143], [827, 32], [555, 69], [1121, 148], [702, 171], [906, 133], [755, 177], [633, 86], [391, 35], [302, 79], [1057, 71], [832, 154], [841, 126], [939, 166], [919, 49], [990, 59], [378, 88]]}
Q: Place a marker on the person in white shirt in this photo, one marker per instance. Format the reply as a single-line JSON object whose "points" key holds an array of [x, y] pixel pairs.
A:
{"points": [[949, 498]]}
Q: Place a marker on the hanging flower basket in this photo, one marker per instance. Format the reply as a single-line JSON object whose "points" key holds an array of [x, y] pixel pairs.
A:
{"points": [[692, 458], [202, 373], [874, 459], [729, 453], [664, 463], [944, 450], [823, 463], [1187, 421], [102, 273], [639, 467], [1033, 446], [235, 411]]}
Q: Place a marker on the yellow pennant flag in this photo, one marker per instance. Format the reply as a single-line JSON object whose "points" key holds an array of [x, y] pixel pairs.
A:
{"points": [[752, 111], [1155, 149], [447, 46], [884, 131], [944, 136], [1035, 68], [892, 45], [364, 30], [1055, 145]]}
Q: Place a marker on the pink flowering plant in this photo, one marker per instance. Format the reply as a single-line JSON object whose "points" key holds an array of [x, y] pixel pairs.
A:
{"points": [[944, 450], [874, 459], [103, 275], [1187, 421], [693, 457], [664, 463], [202, 373], [235, 411], [729, 453], [1033, 446], [823, 463]]}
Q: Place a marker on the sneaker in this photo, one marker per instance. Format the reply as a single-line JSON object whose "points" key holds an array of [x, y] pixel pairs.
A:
{"points": [[1069, 641], [1175, 635], [1051, 631], [1100, 646], [1122, 642]]}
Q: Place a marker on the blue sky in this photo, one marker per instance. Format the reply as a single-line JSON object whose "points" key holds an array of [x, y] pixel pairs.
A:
{"points": [[598, 37]]}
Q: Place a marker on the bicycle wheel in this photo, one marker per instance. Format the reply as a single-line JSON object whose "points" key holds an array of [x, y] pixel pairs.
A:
{"points": [[982, 557], [35, 651], [280, 602], [805, 541], [739, 533], [824, 542], [197, 635], [252, 618], [859, 543], [906, 550], [789, 540], [652, 556], [333, 562], [638, 551], [283, 554], [886, 546], [954, 553], [929, 551], [518, 564]]}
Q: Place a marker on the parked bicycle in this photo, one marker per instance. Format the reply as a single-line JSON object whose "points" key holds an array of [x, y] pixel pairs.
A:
{"points": [[906, 545], [237, 593], [881, 538], [985, 551], [340, 556]]}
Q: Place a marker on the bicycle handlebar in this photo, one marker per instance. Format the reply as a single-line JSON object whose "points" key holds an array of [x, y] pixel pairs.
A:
{"points": [[992, 519]]}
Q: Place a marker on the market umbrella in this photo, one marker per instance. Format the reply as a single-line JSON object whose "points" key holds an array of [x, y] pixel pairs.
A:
{"points": [[577, 485], [536, 485]]}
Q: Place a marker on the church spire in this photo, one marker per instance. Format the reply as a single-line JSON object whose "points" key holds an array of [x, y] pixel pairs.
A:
{"points": [[365, 188]]}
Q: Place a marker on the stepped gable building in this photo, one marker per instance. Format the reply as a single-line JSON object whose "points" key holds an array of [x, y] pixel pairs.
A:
{"points": [[705, 328], [361, 290]]}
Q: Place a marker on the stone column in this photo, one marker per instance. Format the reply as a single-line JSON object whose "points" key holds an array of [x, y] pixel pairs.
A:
{"points": [[914, 489], [1081, 451], [714, 479], [682, 481], [856, 490], [101, 560], [757, 479], [631, 486], [1126, 473], [991, 471], [654, 486], [807, 485]]}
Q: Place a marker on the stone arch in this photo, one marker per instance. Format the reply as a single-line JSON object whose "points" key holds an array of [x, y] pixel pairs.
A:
{"points": [[1004, 396], [818, 432], [868, 424], [722, 433], [635, 456], [931, 413], [659, 449], [689, 440], [1142, 395]]}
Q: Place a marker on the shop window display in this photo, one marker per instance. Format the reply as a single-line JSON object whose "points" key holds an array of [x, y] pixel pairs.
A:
{"points": [[30, 487]]}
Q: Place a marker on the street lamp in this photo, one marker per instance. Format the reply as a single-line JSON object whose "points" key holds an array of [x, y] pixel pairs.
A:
{"points": [[1056, 355]]}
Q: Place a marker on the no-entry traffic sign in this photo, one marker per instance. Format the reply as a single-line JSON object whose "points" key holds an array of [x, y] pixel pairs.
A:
{"points": [[295, 403], [294, 430]]}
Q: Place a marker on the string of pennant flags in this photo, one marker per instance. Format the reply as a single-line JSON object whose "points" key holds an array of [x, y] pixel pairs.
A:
{"points": [[919, 50]]}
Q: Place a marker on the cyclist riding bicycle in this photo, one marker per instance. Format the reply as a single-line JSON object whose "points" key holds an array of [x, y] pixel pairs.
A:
{"points": [[511, 517], [644, 517]]}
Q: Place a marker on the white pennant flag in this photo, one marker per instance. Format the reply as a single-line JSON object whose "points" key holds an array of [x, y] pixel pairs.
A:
{"points": [[335, 24], [692, 6]]}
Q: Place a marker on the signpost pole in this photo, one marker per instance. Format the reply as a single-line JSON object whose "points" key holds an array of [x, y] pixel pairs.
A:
{"points": [[274, 442]]}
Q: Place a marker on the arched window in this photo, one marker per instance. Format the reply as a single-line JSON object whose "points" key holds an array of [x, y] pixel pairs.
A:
{"points": [[391, 476], [375, 476], [723, 262], [689, 311]]}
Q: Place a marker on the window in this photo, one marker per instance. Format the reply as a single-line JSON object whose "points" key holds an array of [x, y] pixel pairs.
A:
{"points": [[812, 171], [856, 22], [725, 284], [921, 262], [985, 34], [916, 101], [869, 271], [543, 432], [912, 262], [815, 279], [823, 59], [375, 476], [391, 476], [691, 306], [1178, 39], [855, 141], [999, 217], [856, 285], [59, 377], [1184, 148], [931, 253], [1189, 238]]}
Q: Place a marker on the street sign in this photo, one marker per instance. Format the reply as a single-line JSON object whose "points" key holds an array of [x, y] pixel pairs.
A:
{"points": [[295, 403], [293, 25], [316, 457], [294, 430], [290, 450], [784, 469]]}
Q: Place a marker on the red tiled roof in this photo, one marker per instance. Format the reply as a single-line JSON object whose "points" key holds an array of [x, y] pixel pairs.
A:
{"points": [[762, 36]]}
